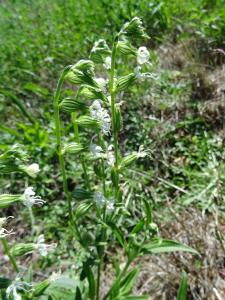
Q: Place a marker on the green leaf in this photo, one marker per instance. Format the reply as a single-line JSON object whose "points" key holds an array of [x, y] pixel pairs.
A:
{"points": [[82, 194], [4, 282], [182, 292], [138, 227], [118, 233], [36, 89], [127, 283], [148, 212], [166, 246], [136, 298]]}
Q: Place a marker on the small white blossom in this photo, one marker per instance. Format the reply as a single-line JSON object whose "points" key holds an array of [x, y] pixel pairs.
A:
{"points": [[17, 284], [110, 156], [100, 200], [3, 231], [54, 276], [101, 83], [32, 170], [96, 150], [142, 55], [107, 63], [29, 198], [110, 204], [101, 115], [42, 247], [141, 152]]}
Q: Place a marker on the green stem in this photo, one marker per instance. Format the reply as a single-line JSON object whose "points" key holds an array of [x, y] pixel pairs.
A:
{"points": [[77, 140], [10, 256], [59, 143], [32, 219], [98, 279], [117, 281], [114, 131]]}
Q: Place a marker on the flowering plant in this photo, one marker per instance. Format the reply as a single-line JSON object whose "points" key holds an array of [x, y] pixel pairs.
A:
{"points": [[98, 213]]}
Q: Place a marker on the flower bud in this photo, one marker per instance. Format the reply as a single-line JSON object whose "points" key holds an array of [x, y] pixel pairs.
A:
{"points": [[126, 48], [71, 105], [99, 51], [92, 93], [129, 159], [6, 200], [22, 249], [133, 29], [32, 170], [87, 122], [118, 119], [72, 148], [124, 82]]}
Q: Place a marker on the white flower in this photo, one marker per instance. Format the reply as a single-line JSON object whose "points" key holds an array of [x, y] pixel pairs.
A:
{"points": [[110, 156], [101, 83], [29, 198], [107, 63], [139, 75], [54, 276], [42, 247], [100, 200], [32, 170], [142, 55], [96, 150], [141, 152], [110, 204], [3, 231], [101, 115], [17, 284]]}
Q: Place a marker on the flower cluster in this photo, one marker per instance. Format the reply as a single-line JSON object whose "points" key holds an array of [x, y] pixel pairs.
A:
{"points": [[100, 114]]}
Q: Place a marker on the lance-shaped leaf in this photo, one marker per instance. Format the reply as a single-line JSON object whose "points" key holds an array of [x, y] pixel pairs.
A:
{"points": [[99, 51], [71, 105], [182, 292], [166, 246], [82, 194], [72, 148], [7, 199], [124, 82], [87, 122]]}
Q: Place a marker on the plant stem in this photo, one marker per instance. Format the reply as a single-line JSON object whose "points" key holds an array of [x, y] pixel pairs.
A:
{"points": [[114, 132], [77, 140], [98, 279], [59, 143], [32, 219], [10, 256], [117, 281]]}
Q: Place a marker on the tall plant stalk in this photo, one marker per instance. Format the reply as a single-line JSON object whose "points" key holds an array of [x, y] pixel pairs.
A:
{"points": [[10, 256], [59, 142], [114, 131]]}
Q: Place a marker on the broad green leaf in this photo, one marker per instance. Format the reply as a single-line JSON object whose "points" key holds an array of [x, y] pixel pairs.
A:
{"points": [[138, 227]]}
